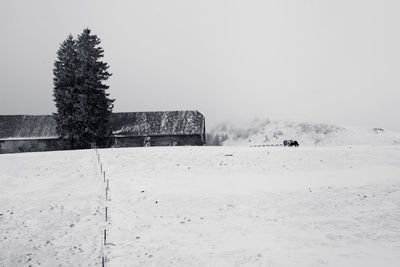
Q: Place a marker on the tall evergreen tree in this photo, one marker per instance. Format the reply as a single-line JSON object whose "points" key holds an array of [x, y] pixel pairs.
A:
{"points": [[83, 106], [64, 92], [94, 103]]}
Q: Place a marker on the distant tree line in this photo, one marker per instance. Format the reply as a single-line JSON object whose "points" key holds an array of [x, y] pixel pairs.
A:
{"points": [[82, 102]]}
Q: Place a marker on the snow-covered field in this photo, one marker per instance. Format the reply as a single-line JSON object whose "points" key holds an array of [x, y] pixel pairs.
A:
{"points": [[203, 206], [50, 209]]}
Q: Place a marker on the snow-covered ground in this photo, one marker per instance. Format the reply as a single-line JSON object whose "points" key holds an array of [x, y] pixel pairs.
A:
{"points": [[50, 209], [203, 206]]}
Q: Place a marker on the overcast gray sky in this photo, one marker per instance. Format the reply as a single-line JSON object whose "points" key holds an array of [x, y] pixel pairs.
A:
{"points": [[334, 61]]}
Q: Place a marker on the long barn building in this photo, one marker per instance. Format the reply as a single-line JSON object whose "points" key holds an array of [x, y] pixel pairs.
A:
{"points": [[28, 133]]}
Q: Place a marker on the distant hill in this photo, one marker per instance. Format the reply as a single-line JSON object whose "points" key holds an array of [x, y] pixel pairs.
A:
{"points": [[267, 132]]}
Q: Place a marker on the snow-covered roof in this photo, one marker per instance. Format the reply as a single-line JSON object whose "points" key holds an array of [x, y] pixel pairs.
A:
{"points": [[23, 126], [122, 124], [157, 123]]}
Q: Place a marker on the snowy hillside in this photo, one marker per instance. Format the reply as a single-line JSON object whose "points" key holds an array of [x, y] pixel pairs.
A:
{"points": [[202, 206], [266, 132]]}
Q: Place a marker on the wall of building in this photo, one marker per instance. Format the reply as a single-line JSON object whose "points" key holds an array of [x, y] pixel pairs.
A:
{"points": [[34, 145], [30, 145], [165, 140]]}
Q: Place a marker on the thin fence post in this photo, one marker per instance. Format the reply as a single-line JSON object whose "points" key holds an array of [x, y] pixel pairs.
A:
{"points": [[103, 257], [108, 185]]}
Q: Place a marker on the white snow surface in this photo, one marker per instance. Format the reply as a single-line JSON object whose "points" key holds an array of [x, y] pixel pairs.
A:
{"points": [[50, 209], [269, 132], [203, 206]]}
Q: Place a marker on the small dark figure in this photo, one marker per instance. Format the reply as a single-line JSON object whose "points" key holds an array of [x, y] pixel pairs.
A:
{"points": [[295, 143], [290, 143], [286, 142], [146, 141]]}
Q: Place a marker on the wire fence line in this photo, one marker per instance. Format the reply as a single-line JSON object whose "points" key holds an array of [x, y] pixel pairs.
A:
{"points": [[104, 241]]}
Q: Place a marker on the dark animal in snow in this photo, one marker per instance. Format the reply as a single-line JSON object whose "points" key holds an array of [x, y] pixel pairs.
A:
{"points": [[290, 143]]}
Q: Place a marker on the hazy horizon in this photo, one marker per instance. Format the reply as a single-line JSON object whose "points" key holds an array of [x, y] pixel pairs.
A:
{"points": [[332, 62]]}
